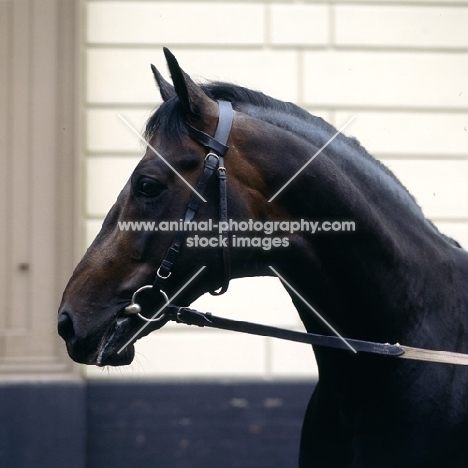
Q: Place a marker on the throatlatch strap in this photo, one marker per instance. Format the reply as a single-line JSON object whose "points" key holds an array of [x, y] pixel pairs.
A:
{"points": [[222, 134]]}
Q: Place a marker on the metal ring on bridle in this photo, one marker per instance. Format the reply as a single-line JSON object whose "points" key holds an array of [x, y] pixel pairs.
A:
{"points": [[135, 309]]}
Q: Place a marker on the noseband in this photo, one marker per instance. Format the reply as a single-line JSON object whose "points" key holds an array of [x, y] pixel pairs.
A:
{"points": [[216, 150]]}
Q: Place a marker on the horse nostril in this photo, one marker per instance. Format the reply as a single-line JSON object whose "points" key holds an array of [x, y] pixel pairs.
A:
{"points": [[65, 326]]}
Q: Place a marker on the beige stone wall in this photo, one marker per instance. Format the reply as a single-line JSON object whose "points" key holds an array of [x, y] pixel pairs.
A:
{"points": [[400, 68], [39, 88]]}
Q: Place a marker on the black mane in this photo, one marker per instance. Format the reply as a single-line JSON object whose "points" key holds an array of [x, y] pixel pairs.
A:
{"points": [[254, 103], [286, 115]]}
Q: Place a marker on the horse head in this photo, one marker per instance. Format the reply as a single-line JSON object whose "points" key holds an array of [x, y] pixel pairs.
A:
{"points": [[120, 261]]}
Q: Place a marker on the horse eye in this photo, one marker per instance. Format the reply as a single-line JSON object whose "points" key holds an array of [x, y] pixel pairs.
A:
{"points": [[148, 187]]}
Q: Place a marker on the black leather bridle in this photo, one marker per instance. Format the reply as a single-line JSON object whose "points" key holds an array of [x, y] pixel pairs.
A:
{"points": [[216, 149]]}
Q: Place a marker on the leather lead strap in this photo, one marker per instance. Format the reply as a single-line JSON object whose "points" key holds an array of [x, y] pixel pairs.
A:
{"points": [[193, 317], [200, 319]]}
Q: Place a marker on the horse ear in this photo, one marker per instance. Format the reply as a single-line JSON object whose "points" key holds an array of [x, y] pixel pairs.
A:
{"points": [[166, 89], [194, 101]]}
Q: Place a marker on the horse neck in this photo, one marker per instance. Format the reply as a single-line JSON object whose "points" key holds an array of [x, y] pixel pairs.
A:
{"points": [[381, 282]]}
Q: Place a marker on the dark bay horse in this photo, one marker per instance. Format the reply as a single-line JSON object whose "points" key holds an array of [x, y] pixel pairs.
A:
{"points": [[394, 279]]}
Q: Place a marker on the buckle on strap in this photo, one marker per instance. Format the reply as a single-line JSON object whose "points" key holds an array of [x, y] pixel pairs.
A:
{"points": [[161, 276]]}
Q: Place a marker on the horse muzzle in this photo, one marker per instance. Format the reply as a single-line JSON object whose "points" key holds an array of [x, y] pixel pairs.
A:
{"points": [[113, 348]]}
